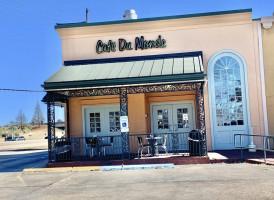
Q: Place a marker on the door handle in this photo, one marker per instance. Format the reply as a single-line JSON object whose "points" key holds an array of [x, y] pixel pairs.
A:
{"points": [[175, 127], [170, 127]]}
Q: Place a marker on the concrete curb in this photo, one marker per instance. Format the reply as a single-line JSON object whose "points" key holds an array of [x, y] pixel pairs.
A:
{"points": [[101, 168], [136, 167], [62, 169]]}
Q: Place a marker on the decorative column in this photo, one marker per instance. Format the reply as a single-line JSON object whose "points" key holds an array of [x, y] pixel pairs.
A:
{"points": [[124, 112], [51, 126], [200, 106], [67, 117], [201, 116]]}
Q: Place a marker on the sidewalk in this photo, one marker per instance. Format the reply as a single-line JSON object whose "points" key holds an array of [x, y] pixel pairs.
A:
{"points": [[234, 156], [101, 168]]}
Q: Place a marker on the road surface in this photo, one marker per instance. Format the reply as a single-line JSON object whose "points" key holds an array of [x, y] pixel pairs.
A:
{"points": [[208, 181], [17, 160]]}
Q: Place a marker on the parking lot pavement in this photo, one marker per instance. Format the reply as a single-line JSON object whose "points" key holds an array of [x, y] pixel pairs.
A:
{"points": [[23, 144], [18, 160], [212, 181]]}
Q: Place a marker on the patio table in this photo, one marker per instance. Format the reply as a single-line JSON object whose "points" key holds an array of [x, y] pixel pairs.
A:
{"points": [[152, 141], [97, 144]]}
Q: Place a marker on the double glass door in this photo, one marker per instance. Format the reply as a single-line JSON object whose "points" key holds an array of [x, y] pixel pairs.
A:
{"points": [[172, 118], [102, 121]]}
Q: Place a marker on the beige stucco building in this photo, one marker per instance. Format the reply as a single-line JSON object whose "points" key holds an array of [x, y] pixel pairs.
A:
{"points": [[168, 75]]}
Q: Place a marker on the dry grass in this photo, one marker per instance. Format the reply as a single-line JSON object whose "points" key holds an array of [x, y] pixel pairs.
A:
{"points": [[40, 133], [37, 133]]}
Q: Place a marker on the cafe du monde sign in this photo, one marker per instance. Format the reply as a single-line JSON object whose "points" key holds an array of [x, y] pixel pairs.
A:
{"points": [[139, 43]]}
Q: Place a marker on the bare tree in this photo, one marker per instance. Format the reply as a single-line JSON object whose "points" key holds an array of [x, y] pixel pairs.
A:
{"points": [[38, 117], [21, 119], [11, 123]]}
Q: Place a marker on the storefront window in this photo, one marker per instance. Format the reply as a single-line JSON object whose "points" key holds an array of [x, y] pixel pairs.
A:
{"points": [[162, 117], [95, 122], [114, 121], [228, 92], [182, 118]]}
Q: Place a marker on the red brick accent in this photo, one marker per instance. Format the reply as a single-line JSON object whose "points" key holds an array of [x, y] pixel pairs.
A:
{"points": [[174, 160], [229, 160]]}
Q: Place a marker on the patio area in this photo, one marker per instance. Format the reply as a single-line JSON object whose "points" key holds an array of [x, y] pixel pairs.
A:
{"points": [[141, 147], [224, 156]]}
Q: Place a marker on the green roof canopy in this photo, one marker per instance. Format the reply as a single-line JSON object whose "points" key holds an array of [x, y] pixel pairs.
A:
{"points": [[137, 71]]}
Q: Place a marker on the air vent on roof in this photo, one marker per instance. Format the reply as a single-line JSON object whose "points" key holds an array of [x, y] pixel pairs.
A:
{"points": [[130, 14]]}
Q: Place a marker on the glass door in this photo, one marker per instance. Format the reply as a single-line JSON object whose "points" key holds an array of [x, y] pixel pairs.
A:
{"points": [[183, 119], [162, 119], [171, 118]]}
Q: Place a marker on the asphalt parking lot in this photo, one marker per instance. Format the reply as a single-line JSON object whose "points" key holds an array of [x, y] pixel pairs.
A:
{"points": [[208, 181]]}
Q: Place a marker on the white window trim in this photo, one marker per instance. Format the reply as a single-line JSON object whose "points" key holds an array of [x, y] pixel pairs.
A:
{"points": [[210, 75], [84, 109], [172, 103]]}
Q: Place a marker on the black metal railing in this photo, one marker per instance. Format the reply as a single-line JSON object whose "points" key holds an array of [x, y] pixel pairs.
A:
{"points": [[88, 148], [110, 147], [264, 143], [186, 143]]}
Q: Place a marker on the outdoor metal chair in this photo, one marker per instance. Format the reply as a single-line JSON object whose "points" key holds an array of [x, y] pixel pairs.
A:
{"points": [[91, 143], [163, 145], [142, 146], [110, 145]]}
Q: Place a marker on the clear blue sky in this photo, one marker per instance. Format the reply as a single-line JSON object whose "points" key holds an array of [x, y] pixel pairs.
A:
{"points": [[30, 49]]}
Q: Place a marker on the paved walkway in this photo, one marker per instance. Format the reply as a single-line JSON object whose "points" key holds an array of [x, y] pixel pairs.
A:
{"points": [[229, 156]]}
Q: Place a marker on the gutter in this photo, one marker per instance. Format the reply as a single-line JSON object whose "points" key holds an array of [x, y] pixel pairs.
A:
{"points": [[262, 77], [119, 86]]}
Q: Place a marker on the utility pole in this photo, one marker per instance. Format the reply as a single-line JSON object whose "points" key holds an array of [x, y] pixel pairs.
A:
{"points": [[86, 15], [12, 133]]}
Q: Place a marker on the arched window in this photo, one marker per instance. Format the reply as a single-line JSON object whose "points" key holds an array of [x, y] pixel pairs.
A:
{"points": [[228, 98], [228, 92]]}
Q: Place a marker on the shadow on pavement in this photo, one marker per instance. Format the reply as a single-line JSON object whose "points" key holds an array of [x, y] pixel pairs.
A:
{"points": [[16, 161]]}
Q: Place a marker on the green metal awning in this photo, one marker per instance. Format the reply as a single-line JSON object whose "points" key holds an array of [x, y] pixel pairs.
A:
{"points": [[137, 71]]}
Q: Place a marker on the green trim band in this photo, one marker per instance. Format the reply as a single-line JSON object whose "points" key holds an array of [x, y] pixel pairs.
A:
{"points": [[123, 81], [83, 24]]}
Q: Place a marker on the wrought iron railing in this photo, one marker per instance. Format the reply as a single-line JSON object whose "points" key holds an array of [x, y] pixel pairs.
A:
{"points": [[264, 143], [88, 148], [110, 147], [173, 142]]}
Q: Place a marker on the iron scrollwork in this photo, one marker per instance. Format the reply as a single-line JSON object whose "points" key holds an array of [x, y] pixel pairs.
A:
{"points": [[124, 112], [200, 106], [175, 142], [51, 126], [89, 92], [76, 147], [162, 88]]}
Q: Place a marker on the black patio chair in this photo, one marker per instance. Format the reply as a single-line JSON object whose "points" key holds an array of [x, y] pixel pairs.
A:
{"points": [[91, 143], [110, 145], [142, 146]]}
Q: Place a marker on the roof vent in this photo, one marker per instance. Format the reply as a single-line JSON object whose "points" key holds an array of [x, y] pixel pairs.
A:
{"points": [[130, 14]]}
